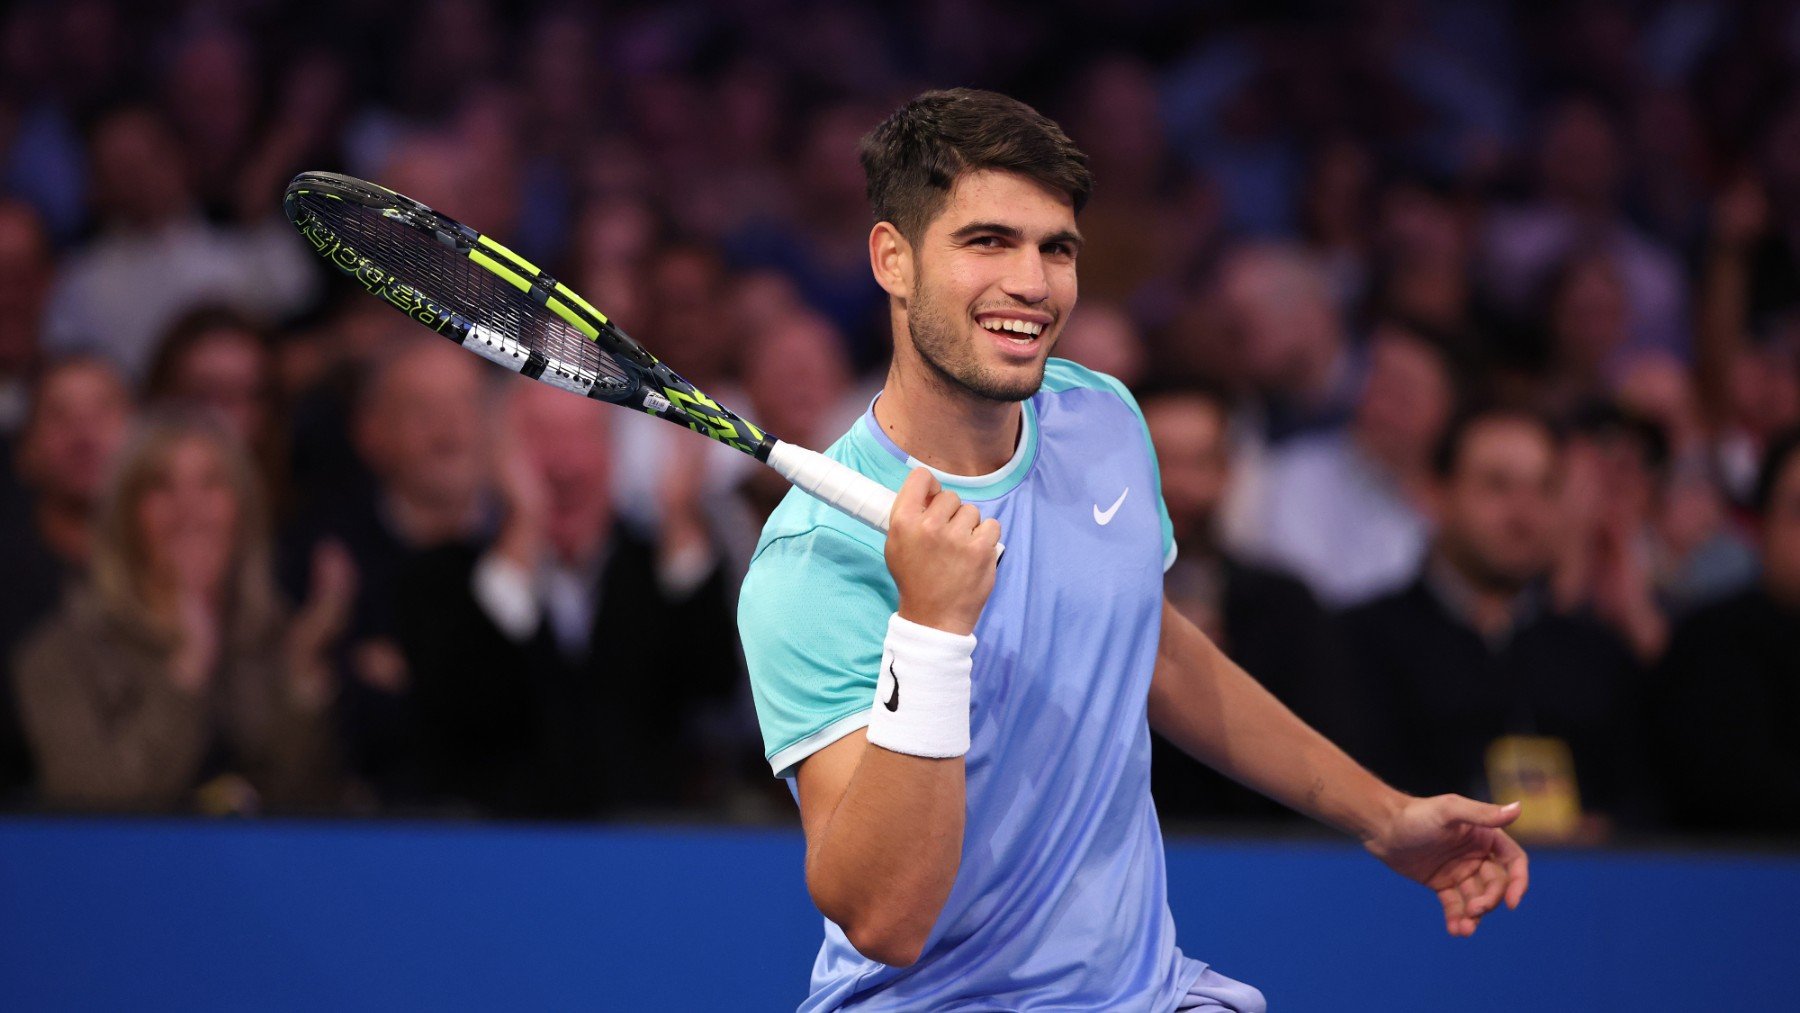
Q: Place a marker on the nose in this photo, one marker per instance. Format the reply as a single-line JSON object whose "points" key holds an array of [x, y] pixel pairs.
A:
{"points": [[1027, 281]]}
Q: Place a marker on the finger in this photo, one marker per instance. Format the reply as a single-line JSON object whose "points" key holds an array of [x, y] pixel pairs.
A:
{"points": [[1469, 888], [967, 518], [988, 531], [1457, 809], [1454, 913], [915, 492], [1518, 868], [1493, 886], [943, 506]]}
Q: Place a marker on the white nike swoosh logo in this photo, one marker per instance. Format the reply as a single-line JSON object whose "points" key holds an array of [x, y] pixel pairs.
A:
{"points": [[1104, 517]]}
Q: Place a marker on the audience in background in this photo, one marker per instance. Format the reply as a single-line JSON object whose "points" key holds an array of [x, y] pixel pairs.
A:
{"points": [[77, 418], [1727, 697], [1265, 620], [173, 679], [216, 361], [562, 667], [418, 427], [1343, 509], [1471, 681], [1337, 222], [156, 256]]}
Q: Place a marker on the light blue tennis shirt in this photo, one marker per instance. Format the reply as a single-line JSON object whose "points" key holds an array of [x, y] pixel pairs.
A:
{"points": [[1060, 900]]}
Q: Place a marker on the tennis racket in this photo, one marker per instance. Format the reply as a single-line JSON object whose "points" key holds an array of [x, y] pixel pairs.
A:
{"points": [[496, 304]]}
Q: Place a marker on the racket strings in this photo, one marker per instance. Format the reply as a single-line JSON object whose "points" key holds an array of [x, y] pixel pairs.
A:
{"points": [[448, 278]]}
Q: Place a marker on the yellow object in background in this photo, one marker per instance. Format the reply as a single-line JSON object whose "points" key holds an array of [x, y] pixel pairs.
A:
{"points": [[1538, 771]]}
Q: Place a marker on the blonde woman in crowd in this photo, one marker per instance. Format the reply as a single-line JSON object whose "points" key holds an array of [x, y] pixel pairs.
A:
{"points": [[173, 678]]}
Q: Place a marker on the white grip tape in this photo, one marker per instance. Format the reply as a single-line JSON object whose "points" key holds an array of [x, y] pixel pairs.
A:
{"points": [[855, 494], [922, 694], [850, 491]]}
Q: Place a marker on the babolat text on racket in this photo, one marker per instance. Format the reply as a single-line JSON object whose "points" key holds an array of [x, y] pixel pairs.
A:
{"points": [[494, 303]]}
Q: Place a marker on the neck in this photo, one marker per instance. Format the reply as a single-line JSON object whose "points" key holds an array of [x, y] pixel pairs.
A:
{"points": [[944, 427], [420, 522], [1487, 606]]}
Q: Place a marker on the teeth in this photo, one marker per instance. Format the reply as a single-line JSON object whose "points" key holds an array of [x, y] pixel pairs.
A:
{"points": [[1024, 327]]}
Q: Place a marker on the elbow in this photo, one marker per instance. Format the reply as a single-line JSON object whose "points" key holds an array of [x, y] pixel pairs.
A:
{"points": [[887, 933], [893, 945]]}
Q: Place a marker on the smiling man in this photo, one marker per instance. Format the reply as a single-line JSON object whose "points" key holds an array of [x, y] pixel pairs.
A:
{"points": [[970, 744]]}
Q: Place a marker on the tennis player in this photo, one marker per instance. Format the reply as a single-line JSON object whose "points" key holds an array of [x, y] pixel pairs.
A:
{"points": [[970, 743]]}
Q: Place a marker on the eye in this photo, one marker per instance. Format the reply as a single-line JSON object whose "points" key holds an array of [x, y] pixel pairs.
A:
{"points": [[987, 242], [1059, 249]]}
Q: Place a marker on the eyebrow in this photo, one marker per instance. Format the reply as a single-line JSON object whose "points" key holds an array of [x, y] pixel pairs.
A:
{"points": [[1013, 233]]}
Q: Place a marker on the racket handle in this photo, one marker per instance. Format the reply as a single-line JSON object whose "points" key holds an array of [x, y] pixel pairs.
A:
{"points": [[850, 491]]}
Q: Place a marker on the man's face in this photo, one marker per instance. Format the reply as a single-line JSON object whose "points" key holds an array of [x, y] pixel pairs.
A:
{"points": [[421, 430], [993, 284], [566, 443], [1497, 508], [1190, 437], [82, 414], [1407, 398]]}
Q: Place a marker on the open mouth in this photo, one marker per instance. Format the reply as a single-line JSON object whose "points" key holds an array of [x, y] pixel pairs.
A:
{"points": [[1012, 331]]}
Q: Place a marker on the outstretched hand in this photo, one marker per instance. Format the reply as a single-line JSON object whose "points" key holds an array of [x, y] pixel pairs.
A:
{"points": [[1456, 847]]}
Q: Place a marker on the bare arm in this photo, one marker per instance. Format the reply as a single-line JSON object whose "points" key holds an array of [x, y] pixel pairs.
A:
{"points": [[1206, 705], [884, 828], [883, 842]]}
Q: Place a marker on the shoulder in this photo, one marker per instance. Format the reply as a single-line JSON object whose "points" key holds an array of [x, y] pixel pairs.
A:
{"points": [[800, 523], [1062, 376], [1395, 611]]}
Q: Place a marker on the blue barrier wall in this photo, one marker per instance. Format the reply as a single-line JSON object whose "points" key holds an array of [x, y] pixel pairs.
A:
{"points": [[275, 916]]}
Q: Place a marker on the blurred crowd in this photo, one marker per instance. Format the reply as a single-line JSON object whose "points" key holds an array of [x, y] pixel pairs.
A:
{"points": [[1468, 335]]}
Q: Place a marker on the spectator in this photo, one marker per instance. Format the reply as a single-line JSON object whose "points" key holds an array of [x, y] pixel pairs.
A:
{"points": [[77, 418], [214, 360], [156, 257], [1284, 337], [172, 680], [1580, 171], [541, 661], [1727, 698], [1343, 510], [1265, 620], [418, 428], [1472, 656]]}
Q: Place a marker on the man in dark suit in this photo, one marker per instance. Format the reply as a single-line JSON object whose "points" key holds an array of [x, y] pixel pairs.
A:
{"points": [[565, 668], [1728, 695], [1473, 654]]}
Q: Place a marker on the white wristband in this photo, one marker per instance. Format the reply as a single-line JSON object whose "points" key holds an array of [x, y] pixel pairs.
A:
{"points": [[922, 693]]}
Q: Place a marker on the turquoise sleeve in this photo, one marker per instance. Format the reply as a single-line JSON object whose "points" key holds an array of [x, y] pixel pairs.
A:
{"points": [[1162, 509], [812, 616]]}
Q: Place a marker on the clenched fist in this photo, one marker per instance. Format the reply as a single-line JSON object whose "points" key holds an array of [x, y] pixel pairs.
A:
{"points": [[942, 555]]}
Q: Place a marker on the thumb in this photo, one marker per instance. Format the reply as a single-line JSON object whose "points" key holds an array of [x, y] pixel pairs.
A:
{"points": [[1458, 809]]}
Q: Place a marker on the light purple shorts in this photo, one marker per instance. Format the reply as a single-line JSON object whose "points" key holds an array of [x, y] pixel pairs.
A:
{"points": [[1212, 992]]}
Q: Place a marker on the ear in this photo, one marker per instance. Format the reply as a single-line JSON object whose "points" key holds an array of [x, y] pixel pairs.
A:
{"points": [[891, 260]]}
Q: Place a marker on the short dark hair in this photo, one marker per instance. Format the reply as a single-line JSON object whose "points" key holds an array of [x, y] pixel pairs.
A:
{"points": [[915, 155], [1779, 454], [1449, 450]]}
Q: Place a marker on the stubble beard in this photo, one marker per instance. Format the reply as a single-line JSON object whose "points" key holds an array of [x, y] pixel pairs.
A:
{"points": [[949, 355]]}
